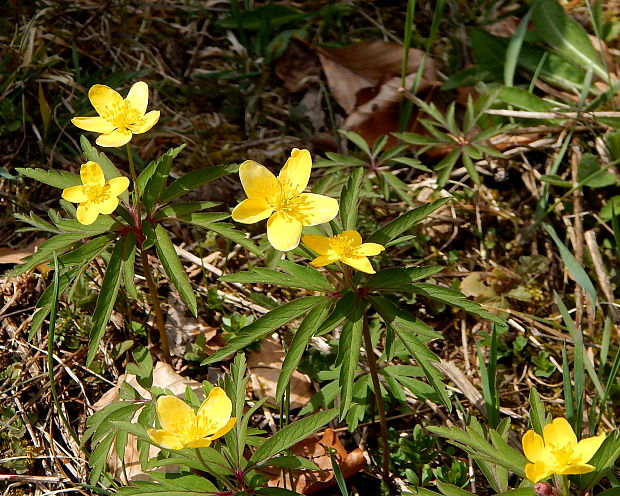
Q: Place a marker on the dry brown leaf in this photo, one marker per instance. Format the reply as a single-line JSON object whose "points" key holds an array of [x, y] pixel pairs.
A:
{"points": [[182, 328], [298, 66], [16, 255], [313, 449], [364, 79], [266, 365], [165, 377]]}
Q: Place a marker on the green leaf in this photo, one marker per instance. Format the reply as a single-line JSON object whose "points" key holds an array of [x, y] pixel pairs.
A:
{"points": [[349, 199], [179, 209], [297, 277], [228, 231], [195, 179], [523, 99], [57, 179], [357, 140], [348, 355], [404, 222], [103, 223], [170, 484], [301, 339], [574, 268], [157, 182], [341, 311], [537, 412], [417, 139], [203, 219], [105, 301], [399, 278], [591, 174], [556, 180], [109, 169], [291, 434], [566, 36], [454, 298], [293, 462], [264, 325], [173, 268], [394, 315], [145, 176], [129, 263], [57, 244], [87, 251], [451, 490]]}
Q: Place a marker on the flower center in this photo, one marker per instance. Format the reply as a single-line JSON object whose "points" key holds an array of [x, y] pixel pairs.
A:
{"points": [[342, 244], [98, 194], [122, 115], [563, 455]]}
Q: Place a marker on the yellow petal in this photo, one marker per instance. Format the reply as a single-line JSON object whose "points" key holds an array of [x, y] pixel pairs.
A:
{"points": [[257, 180], [295, 174], [166, 439], [359, 263], [116, 138], [75, 194], [319, 244], [175, 415], [103, 98], [199, 443], [559, 434], [325, 260], [221, 432], [311, 209], [586, 448], [118, 185], [91, 174], [283, 231], [534, 447], [144, 123], [576, 469], [369, 249], [87, 213], [214, 413], [537, 471], [95, 124], [108, 206], [352, 237], [138, 96], [252, 210]]}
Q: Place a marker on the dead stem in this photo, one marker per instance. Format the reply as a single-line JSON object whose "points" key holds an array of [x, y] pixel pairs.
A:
{"points": [[159, 318]]}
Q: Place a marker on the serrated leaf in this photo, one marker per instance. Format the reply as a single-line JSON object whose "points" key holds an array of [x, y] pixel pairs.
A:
{"points": [[264, 325], [417, 139], [228, 231], [179, 209], [349, 199], [87, 251], [348, 355], [105, 301], [399, 278], [297, 277], [301, 339], [291, 434], [195, 179], [57, 179], [393, 315], [404, 222], [129, 264], [157, 182], [173, 268], [357, 140], [341, 311]]}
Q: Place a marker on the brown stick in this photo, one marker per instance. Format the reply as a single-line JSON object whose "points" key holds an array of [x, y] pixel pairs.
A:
{"points": [[159, 318], [374, 374]]}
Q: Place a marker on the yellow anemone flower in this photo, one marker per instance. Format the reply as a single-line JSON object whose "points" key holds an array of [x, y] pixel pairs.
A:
{"points": [[96, 195], [119, 118], [282, 201], [182, 428], [346, 247], [558, 452]]}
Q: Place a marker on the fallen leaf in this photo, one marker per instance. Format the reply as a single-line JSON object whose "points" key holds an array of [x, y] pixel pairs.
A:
{"points": [[364, 78], [16, 255], [182, 328], [266, 365], [314, 449], [298, 66]]}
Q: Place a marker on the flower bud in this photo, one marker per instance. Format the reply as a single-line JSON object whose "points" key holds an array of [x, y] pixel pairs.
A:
{"points": [[543, 489]]}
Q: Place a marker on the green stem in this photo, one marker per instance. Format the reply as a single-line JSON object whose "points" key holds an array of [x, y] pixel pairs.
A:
{"points": [[132, 167], [347, 276], [374, 374], [159, 317]]}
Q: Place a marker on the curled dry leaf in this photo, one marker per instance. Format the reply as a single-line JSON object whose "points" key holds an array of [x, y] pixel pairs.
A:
{"points": [[364, 78], [165, 377], [266, 364], [314, 449]]}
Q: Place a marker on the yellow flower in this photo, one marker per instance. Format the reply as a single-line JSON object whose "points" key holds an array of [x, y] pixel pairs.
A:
{"points": [[118, 118], [558, 452], [182, 428], [96, 195], [346, 247], [281, 200]]}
